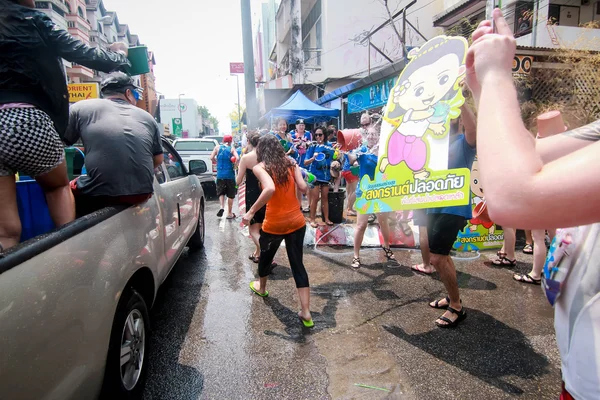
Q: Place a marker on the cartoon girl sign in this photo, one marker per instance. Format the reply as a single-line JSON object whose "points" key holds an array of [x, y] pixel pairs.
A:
{"points": [[426, 97]]}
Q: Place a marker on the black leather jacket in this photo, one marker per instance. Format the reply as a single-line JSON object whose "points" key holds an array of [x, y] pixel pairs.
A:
{"points": [[31, 70]]}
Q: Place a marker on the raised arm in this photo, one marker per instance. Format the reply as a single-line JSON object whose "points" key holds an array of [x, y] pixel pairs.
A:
{"points": [[241, 170], [520, 189], [71, 49]]}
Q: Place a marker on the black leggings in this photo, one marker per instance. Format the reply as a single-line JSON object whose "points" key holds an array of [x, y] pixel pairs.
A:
{"points": [[269, 244]]}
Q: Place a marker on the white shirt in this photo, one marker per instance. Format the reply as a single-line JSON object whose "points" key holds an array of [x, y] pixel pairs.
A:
{"points": [[577, 315]]}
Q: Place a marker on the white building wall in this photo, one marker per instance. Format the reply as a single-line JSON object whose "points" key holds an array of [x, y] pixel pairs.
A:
{"points": [[346, 22], [192, 121]]}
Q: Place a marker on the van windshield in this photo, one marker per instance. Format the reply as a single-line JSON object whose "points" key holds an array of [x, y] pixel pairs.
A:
{"points": [[195, 145]]}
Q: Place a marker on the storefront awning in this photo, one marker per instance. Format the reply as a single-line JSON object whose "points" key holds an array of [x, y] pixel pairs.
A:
{"points": [[390, 70]]}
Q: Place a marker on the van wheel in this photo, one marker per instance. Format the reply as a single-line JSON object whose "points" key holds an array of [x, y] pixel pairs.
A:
{"points": [[128, 349], [196, 242]]}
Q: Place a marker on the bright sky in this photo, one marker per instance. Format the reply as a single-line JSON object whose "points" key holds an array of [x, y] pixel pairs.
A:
{"points": [[193, 42]]}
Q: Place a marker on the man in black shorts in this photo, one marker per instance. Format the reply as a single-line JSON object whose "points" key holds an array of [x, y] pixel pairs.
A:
{"points": [[444, 224], [225, 156]]}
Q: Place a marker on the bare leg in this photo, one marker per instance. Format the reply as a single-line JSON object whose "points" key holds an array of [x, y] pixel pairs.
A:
{"points": [[304, 295], [314, 200], [255, 235], [510, 238], [325, 204], [59, 196], [445, 267], [539, 253], [425, 254], [351, 193], [359, 233], [384, 225], [337, 183], [222, 201], [10, 224], [230, 205]]}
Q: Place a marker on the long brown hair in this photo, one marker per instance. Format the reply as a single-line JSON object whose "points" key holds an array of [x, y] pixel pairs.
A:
{"points": [[270, 152]]}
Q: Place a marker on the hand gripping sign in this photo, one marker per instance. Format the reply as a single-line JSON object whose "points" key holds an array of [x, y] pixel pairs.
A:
{"points": [[412, 167]]}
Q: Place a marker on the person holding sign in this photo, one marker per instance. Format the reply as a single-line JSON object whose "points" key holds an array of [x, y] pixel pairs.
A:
{"points": [[549, 183], [444, 224], [318, 158], [367, 161]]}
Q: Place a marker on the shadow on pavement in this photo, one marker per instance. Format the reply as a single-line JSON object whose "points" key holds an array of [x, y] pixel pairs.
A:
{"points": [[171, 317], [483, 347]]}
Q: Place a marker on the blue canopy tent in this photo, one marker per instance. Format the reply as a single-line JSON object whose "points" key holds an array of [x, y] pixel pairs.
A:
{"points": [[298, 106]]}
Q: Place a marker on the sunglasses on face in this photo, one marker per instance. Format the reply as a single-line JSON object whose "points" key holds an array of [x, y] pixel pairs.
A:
{"points": [[319, 134]]}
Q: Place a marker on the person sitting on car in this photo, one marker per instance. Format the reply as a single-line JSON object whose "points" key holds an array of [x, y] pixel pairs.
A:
{"points": [[122, 147], [34, 107]]}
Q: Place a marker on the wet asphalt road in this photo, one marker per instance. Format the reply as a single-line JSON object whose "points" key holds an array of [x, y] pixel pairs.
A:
{"points": [[213, 339]]}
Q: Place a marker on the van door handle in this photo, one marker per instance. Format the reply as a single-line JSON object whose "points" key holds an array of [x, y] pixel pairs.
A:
{"points": [[193, 188], [179, 196]]}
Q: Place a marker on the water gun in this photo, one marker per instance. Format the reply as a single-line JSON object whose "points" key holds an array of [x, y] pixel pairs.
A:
{"points": [[308, 177]]}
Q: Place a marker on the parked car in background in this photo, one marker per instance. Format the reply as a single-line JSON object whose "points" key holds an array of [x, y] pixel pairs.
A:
{"points": [[199, 149], [219, 139], [74, 321]]}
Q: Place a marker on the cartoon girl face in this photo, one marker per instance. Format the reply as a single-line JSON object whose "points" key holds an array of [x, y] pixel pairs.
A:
{"points": [[476, 186], [430, 83]]}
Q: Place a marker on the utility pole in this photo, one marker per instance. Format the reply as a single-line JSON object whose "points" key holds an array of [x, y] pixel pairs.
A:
{"points": [[251, 103]]}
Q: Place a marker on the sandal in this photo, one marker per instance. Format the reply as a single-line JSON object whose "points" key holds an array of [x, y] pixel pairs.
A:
{"points": [[253, 258], [351, 213], [232, 216], [462, 314], [528, 249], [314, 224], [503, 261], [329, 223], [372, 219], [265, 294], [418, 269], [389, 255], [527, 278], [441, 307], [220, 213], [355, 262]]}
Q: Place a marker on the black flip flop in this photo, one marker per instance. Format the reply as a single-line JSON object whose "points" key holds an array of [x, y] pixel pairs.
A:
{"points": [[220, 213], [462, 314], [437, 304], [233, 216], [526, 278]]}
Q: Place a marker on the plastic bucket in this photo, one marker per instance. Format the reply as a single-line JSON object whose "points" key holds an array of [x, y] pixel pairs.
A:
{"points": [[481, 212], [69, 158], [349, 139], [33, 210], [336, 205], [138, 57]]}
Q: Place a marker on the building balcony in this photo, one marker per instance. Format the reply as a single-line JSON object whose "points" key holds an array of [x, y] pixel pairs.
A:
{"points": [[79, 72], [562, 37], [79, 27]]}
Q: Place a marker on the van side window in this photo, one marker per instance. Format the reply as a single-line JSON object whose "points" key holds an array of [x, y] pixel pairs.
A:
{"points": [[160, 174], [173, 165]]}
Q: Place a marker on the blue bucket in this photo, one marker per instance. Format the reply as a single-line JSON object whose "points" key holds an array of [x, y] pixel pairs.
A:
{"points": [[33, 210]]}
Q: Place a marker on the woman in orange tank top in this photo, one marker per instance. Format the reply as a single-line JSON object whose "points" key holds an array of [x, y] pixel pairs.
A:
{"points": [[280, 177]]}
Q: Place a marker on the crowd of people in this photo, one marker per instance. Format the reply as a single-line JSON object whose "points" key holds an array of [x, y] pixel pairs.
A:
{"points": [[535, 188]]}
